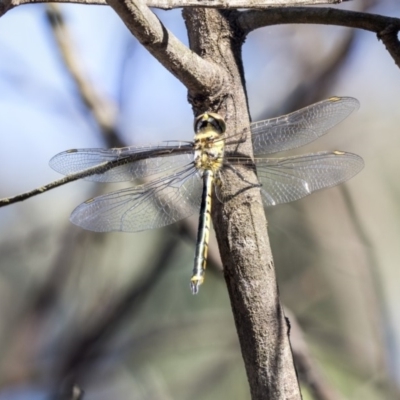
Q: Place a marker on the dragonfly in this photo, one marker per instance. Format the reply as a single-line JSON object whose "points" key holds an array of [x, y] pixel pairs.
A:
{"points": [[182, 176]]}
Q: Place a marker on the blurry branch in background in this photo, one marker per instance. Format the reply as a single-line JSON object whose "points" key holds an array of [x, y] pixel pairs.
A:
{"points": [[375, 298], [310, 91], [386, 28], [103, 109], [49, 292], [125, 78], [85, 348], [317, 86], [6, 5], [324, 77], [308, 370], [77, 393]]}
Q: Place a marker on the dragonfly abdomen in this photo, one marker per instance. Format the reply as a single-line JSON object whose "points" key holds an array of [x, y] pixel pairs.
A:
{"points": [[203, 234]]}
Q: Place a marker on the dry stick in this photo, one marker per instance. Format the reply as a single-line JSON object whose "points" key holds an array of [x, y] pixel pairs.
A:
{"points": [[386, 28], [6, 5], [69, 178], [97, 169]]}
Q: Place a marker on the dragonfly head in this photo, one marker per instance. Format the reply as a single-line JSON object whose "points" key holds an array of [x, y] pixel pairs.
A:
{"points": [[210, 120]]}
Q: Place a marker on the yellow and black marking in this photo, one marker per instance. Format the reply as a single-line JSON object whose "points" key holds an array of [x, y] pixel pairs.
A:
{"points": [[209, 153], [203, 233]]}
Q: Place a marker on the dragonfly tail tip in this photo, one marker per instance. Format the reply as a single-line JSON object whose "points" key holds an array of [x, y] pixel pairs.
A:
{"points": [[194, 287]]}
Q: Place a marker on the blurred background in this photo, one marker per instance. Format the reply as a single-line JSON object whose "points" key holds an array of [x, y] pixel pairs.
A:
{"points": [[112, 314]]}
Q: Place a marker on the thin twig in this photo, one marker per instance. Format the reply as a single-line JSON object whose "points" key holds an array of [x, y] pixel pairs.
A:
{"points": [[7, 5], [386, 28]]}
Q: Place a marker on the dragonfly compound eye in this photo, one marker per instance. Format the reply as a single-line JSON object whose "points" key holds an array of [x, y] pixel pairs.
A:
{"points": [[210, 120]]}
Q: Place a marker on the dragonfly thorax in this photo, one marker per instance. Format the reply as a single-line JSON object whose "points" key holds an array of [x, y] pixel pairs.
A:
{"points": [[208, 142]]}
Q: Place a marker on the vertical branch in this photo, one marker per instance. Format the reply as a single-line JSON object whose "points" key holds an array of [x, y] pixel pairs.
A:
{"points": [[240, 223]]}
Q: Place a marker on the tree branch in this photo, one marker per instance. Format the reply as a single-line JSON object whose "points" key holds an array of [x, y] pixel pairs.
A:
{"points": [[196, 73], [386, 28], [240, 223], [6, 5]]}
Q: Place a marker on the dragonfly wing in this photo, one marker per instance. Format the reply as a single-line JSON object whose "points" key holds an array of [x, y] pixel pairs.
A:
{"points": [[126, 164], [152, 205], [300, 127], [288, 179]]}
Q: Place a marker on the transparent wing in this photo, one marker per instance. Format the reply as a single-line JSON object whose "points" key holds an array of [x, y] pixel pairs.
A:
{"points": [[300, 127], [130, 162], [288, 179], [152, 205]]}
